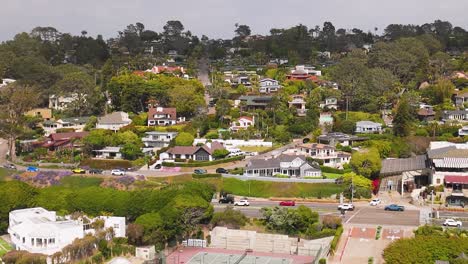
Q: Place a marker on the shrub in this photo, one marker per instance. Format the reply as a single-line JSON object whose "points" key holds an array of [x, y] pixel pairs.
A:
{"points": [[237, 171], [229, 218], [323, 261], [370, 260], [208, 175], [336, 239], [331, 221], [220, 153], [184, 139], [378, 233], [281, 176]]}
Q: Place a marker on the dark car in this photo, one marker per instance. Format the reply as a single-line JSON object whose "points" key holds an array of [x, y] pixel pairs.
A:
{"points": [[394, 207], [306, 140], [226, 199], [287, 203], [199, 171], [221, 170], [95, 171]]}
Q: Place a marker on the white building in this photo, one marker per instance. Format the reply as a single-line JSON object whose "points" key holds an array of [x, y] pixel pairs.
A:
{"points": [[290, 165], [156, 139], [463, 131], [368, 127], [37, 230], [113, 121], [243, 122], [327, 154], [59, 102], [75, 123], [268, 85], [329, 103]]}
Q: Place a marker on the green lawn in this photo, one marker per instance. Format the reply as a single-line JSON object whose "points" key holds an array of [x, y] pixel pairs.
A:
{"points": [[4, 173], [4, 247], [330, 175], [80, 182], [254, 149]]}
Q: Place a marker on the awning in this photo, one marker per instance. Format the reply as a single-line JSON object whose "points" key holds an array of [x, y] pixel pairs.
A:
{"points": [[456, 179]]}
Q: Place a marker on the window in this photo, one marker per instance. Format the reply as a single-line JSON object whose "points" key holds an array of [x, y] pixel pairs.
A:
{"points": [[24, 240], [116, 226], [438, 181]]}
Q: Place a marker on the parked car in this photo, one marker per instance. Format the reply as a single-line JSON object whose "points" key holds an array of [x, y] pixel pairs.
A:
{"points": [[242, 202], [375, 202], [118, 172], [346, 207], [287, 203], [394, 207], [221, 170], [199, 171], [95, 171], [78, 171], [32, 169], [452, 222], [226, 199], [339, 180], [9, 166]]}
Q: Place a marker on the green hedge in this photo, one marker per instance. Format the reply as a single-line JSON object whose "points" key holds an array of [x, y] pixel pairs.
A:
{"points": [[209, 175], [334, 170], [336, 239], [106, 164], [202, 163]]}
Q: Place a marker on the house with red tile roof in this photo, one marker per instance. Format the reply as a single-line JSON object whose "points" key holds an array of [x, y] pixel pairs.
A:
{"points": [[162, 116], [176, 70]]}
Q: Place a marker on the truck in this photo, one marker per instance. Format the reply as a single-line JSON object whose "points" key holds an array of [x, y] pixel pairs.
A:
{"points": [[226, 199]]}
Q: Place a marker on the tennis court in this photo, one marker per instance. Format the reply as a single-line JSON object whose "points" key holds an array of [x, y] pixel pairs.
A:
{"points": [[220, 258]]}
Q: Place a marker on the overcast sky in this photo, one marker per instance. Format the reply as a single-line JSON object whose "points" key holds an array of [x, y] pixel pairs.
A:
{"points": [[216, 18]]}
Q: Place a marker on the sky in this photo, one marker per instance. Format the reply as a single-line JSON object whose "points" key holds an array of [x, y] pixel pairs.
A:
{"points": [[216, 18]]}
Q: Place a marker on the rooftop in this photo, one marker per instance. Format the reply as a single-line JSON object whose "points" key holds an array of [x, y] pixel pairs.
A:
{"points": [[397, 166]]}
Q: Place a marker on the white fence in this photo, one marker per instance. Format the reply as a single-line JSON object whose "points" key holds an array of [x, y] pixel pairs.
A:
{"points": [[237, 142], [275, 179]]}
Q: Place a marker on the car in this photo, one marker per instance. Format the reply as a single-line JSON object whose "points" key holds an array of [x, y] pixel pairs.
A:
{"points": [[346, 207], [95, 171], [32, 169], [221, 170], [394, 207], [452, 222], [9, 166], [118, 172], [287, 203], [226, 199], [242, 202], [78, 171], [375, 202], [199, 171]]}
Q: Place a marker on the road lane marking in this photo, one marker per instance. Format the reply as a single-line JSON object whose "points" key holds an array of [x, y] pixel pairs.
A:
{"points": [[353, 216]]}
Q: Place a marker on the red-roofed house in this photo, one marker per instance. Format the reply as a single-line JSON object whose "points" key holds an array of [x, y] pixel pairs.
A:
{"points": [[63, 140], [301, 74], [162, 116], [242, 123], [202, 153], [176, 70]]}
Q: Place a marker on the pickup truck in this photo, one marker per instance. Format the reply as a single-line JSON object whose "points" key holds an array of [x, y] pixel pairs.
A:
{"points": [[452, 222], [226, 199], [394, 207], [346, 207]]}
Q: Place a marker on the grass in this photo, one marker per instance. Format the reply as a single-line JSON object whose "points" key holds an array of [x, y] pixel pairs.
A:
{"points": [[254, 148], [263, 189], [330, 175], [80, 182], [4, 173], [4, 247]]}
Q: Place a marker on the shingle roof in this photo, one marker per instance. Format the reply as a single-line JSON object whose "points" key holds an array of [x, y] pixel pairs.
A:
{"points": [[316, 146], [68, 135], [447, 152], [273, 162], [113, 118], [397, 166]]}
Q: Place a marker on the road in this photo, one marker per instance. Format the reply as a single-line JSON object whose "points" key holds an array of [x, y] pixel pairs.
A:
{"points": [[3, 150], [363, 213]]}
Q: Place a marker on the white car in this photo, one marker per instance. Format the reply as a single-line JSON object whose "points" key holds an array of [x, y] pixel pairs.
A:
{"points": [[242, 203], [452, 222], [375, 202], [346, 207], [118, 172]]}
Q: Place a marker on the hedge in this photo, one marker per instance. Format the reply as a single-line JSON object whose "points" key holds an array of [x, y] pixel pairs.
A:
{"points": [[336, 239], [202, 163], [105, 164], [334, 170], [209, 175]]}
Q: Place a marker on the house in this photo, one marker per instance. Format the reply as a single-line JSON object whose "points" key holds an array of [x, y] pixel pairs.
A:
{"points": [[455, 115], [244, 80], [426, 114], [461, 98], [147, 253], [463, 131], [61, 102], [66, 140], [197, 153], [155, 139], [251, 102], [268, 85], [343, 139], [108, 153], [38, 230], [44, 113], [113, 121], [162, 116], [75, 123], [175, 70], [449, 164], [368, 127], [301, 73], [291, 165], [242, 122], [298, 103], [329, 103], [326, 153], [404, 174], [325, 118]]}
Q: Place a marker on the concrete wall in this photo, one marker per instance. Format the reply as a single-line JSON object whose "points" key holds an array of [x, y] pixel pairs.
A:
{"points": [[236, 142]]}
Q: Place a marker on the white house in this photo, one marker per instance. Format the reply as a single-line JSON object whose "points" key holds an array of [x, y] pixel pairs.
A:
{"points": [[368, 127], [113, 121], [243, 122], [290, 165], [38, 230], [162, 116], [463, 131], [268, 85], [329, 103], [108, 153], [61, 102], [75, 123], [327, 154], [156, 139]]}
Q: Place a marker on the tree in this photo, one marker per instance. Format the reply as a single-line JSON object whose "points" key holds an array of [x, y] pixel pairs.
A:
{"points": [[135, 234], [130, 151], [366, 163], [229, 218], [281, 134], [81, 86], [184, 139], [220, 153], [15, 100], [242, 31], [403, 118], [188, 99]]}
